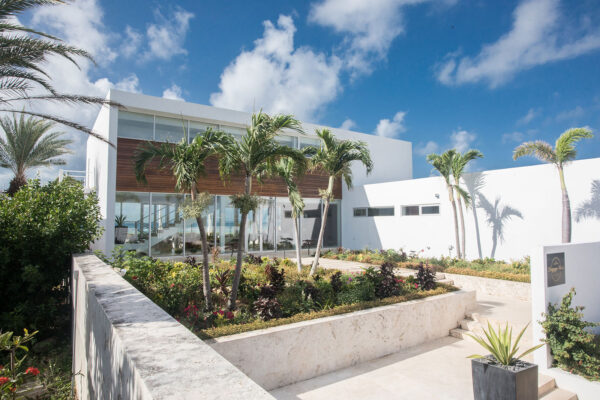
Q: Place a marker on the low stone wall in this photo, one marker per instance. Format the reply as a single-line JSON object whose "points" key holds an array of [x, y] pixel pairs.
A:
{"points": [[282, 355], [492, 287], [126, 347]]}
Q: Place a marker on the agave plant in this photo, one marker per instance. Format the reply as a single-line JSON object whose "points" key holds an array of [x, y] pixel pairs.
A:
{"points": [[500, 344]]}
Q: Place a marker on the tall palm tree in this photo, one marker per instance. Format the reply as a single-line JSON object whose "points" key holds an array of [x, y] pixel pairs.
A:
{"points": [[187, 162], [290, 171], [562, 153], [334, 157], [497, 216], [252, 156], [28, 144], [459, 163], [23, 53], [443, 164]]}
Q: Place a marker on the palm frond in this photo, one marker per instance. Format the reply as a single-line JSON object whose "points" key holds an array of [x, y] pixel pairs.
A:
{"points": [[539, 149], [565, 144]]}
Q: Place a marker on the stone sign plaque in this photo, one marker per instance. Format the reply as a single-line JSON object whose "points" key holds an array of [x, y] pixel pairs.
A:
{"points": [[555, 264]]}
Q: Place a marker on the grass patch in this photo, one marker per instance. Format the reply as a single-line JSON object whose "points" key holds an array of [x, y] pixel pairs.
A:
{"points": [[338, 310], [489, 274]]}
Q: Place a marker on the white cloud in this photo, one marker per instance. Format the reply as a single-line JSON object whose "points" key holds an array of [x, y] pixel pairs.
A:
{"points": [[516, 137], [539, 35], [132, 42], [570, 115], [348, 124], [369, 27], [166, 36], [173, 93], [461, 140], [427, 148], [392, 128], [277, 77], [530, 116]]}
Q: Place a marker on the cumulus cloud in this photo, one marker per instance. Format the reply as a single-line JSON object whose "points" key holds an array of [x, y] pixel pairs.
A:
{"points": [[348, 124], [392, 128], [539, 35], [572, 114], [461, 140], [132, 42], [167, 35], [427, 148], [278, 77], [516, 137], [173, 93], [368, 27]]}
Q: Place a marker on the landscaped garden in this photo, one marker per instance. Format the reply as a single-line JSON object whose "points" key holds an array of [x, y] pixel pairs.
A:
{"points": [[271, 291], [518, 270]]}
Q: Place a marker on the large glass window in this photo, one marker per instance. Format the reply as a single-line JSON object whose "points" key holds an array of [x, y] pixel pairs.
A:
{"points": [[132, 221], [197, 128], [285, 140], [311, 223], [135, 126], [268, 224], [285, 226], [331, 238], [228, 221], [169, 129], [193, 242], [166, 225], [236, 132], [308, 141], [252, 231]]}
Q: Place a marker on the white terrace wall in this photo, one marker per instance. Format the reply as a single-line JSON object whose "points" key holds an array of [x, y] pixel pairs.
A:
{"points": [[578, 266], [126, 347], [516, 209]]}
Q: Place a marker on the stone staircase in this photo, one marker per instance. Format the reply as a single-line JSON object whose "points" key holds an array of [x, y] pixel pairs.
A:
{"points": [[474, 323]]}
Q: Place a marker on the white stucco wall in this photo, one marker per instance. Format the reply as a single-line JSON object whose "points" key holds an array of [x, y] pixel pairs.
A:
{"points": [[532, 191], [582, 272]]}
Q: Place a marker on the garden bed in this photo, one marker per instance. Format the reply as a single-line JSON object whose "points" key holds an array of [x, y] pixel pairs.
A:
{"points": [[272, 292], [518, 271]]}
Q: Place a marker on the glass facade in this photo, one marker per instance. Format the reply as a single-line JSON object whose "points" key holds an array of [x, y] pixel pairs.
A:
{"points": [[153, 225], [135, 126], [169, 129]]}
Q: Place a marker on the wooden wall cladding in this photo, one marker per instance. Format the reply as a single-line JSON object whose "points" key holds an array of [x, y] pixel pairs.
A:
{"points": [[162, 181]]}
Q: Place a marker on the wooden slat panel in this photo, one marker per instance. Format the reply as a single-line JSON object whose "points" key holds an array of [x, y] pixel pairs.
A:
{"points": [[161, 180]]}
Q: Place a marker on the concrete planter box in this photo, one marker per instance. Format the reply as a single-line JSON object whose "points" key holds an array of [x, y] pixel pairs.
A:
{"points": [[282, 355], [492, 287], [495, 382]]}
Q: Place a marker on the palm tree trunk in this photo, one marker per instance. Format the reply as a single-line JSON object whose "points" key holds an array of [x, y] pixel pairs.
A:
{"points": [[240, 251], [205, 263], [462, 227], [323, 222], [297, 240], [456, 237], [566, 208]]}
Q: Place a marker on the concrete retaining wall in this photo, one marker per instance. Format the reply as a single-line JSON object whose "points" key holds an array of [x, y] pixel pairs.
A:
{"points": [[282, 355], [492, 287], [126, 347]]}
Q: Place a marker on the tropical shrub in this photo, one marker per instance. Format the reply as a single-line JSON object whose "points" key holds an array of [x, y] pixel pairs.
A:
{"points": [[501, 346], [13, 375], [40, 228], [426, 278], [573, 347]]}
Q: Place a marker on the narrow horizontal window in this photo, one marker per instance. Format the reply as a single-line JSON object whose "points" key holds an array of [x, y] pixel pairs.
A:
{"points": [[430, 210], [380, 211], [360, 212], [410, 210]]}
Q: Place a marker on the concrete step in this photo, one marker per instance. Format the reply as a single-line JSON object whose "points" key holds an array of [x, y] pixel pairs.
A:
{"points": [[470, 325], [559, 394], [546, 384], [445, 281], [439, 276]]}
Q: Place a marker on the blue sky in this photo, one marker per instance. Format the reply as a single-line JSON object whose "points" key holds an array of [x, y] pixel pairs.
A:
{"points": [[465, 73]]}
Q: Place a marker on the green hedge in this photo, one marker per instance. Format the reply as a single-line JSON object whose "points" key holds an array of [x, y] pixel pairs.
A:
{"points": [[227, 330]]}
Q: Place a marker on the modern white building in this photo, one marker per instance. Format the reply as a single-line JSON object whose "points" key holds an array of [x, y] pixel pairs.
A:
{"points": [[515, 208]]}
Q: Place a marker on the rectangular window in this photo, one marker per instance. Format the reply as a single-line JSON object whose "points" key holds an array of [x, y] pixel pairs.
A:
{"points": [[169, 129], [410, 210], [428, 210], [305, 142], [237, 133], [380, 211], [360, 212], [285, 140], [197, 128], [135, 126]]}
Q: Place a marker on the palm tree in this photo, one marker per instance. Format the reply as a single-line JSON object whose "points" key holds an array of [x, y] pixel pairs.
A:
{"points": [[252, 156], [459, 163], [334, 157], [289, 171], [443, 164], [28, 144], [497, 216], [187, 162], [562, 153], [23, 53]]}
